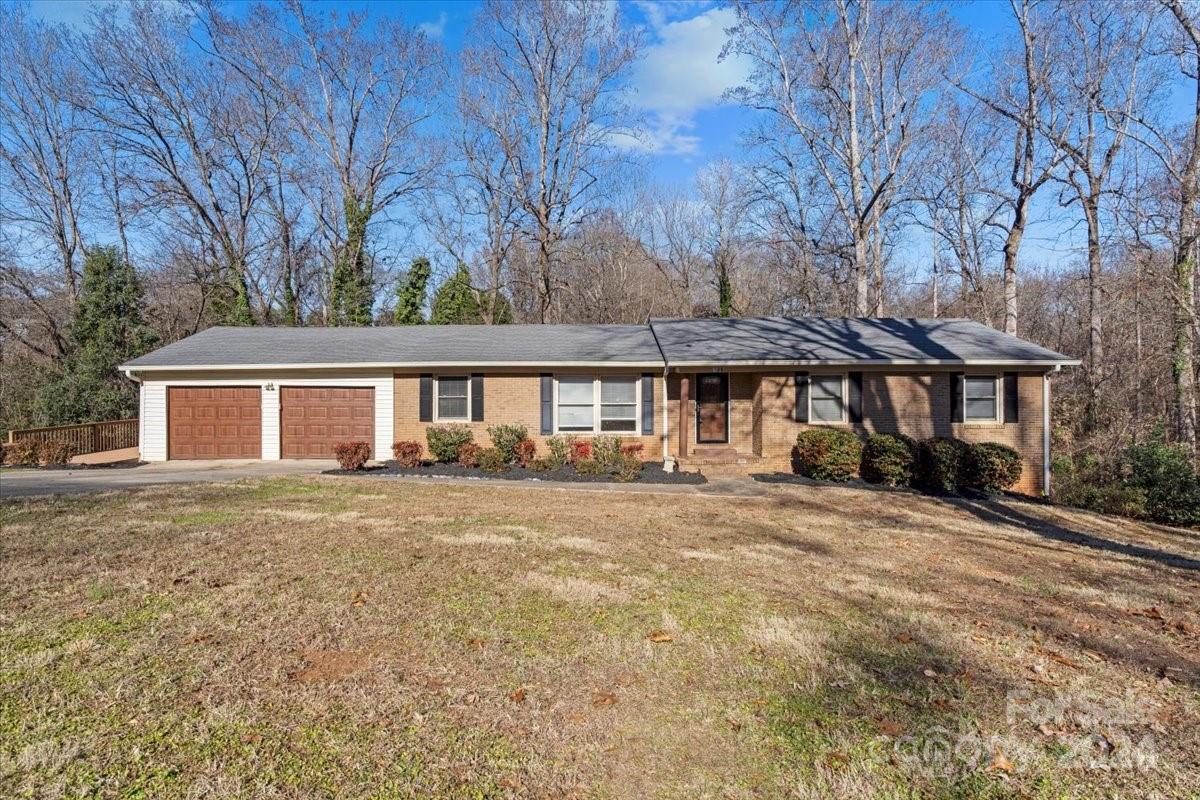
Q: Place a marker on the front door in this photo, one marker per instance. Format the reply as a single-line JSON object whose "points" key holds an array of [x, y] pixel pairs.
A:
{"points": [[712, 408]]}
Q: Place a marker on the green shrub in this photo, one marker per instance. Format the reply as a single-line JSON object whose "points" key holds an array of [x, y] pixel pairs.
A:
{"points": [[889, 459], [828, 454], [23, 452], [542, 465], [589, 466], [352, 455], [940, 464], [468, 455], [606, 450], [1106, 498], [444, 440], [560, 449], [991, 466], [492, 460], [407, 454], [505, 438], [1167, 477]]}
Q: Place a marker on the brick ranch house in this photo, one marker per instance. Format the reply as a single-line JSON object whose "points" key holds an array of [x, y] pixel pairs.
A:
{"points": [[706, 394]]}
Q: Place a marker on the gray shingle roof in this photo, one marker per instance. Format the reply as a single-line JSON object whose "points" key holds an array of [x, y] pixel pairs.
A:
{"points": [[417, 344], [783, 340], [839, 340]]}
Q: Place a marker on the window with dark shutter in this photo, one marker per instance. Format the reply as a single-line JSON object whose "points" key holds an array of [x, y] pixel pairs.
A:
{"points": [[1012, 405], [547, 404], [477, 398], [800, 412], [956, 396], [647, 403], [855, 402], [425, 403]]}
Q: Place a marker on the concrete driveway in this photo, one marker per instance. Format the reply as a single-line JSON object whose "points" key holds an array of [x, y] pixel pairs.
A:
{"points": [[27, 482]]}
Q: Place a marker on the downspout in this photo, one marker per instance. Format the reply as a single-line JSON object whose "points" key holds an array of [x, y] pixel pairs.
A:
{"points": [[668, 462], [141, 407], [1046, 431]]}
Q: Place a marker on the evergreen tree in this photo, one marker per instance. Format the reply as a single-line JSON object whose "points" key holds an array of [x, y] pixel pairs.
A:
{"points": [[410, 294], [455, 302], [106, 330]]}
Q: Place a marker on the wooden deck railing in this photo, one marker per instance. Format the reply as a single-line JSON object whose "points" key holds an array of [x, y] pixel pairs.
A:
{"points": [[89, 437]]}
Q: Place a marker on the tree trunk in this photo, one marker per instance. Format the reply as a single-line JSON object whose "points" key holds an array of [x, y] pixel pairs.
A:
{"points": [[1012, 246], [1187, 253], [1091, 212]]}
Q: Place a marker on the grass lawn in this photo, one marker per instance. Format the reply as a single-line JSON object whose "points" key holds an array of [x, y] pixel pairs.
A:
{"points": [[341, 638]]}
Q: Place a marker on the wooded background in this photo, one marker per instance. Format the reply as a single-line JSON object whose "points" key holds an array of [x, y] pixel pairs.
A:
{"points": [[280, 164]]}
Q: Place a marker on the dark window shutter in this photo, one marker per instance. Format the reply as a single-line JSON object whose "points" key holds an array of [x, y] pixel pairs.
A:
{"points": [[854, 405], [647, 403], [1012, 406], [425, 408], [477, 398], [957, 387], [800, 413], [547, 404]]}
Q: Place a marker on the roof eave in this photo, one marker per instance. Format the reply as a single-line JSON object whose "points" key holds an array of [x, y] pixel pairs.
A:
{"points": [[881, 362], [130, 368]]}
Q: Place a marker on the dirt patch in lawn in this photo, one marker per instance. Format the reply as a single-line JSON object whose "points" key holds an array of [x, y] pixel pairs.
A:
{"points": [[325, 637]]}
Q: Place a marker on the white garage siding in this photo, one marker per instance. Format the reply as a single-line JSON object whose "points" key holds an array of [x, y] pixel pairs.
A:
{"points": [[152, 421]]}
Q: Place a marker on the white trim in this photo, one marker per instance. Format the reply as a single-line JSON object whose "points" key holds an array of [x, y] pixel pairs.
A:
{"points": [[1046, 434], [997, 393], [845, 376], [437, 417], [352, 365], [596, 411], [870, 362], [153, 414]]}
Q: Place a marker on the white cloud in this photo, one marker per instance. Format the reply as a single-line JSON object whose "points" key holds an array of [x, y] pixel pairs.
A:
{"points": [[434, 29], [681, 75]]}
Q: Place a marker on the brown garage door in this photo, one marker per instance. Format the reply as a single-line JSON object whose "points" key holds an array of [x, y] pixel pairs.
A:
{"points": [[315, 418], [214, 422]]}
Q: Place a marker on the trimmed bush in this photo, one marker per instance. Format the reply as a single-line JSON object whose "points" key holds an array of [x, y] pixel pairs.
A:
{"points": [[589, 466], [991, 466], [542, 465], [630, 468], [352, 455], [444, 440], [21, 453], [52, 453], [889, 459], [940, 464], [468, 455], [828, 454], [606, 450], [581, 450], [407, 454], [505, 438], [560, 449], [492, 460], [633, 449], [525, 451]]}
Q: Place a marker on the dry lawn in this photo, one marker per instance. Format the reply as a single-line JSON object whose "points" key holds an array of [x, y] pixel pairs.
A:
{"points": [[366, 638]]}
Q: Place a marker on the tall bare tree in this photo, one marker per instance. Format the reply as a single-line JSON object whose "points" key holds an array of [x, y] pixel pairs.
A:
{"points": [[723, 192], [854, 86], [544, 81]]}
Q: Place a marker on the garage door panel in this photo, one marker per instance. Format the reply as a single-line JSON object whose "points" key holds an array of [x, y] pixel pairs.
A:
{"points": [[214, 422], [315, 418]]}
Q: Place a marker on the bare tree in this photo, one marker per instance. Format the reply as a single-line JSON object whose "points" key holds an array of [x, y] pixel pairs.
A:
{"points": [[854, 85], [544, 82], [1099, 75], [724, 194]]}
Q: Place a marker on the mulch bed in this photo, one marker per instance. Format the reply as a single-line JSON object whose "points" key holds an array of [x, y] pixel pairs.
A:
{"points": [[126, 464], [651, 473]]}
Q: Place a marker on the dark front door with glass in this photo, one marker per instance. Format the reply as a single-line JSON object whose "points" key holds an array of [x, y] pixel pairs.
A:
{"points": [[712, 408]]}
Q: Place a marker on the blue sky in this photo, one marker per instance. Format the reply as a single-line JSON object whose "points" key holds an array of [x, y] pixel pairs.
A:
{"points": [[679, 81]]}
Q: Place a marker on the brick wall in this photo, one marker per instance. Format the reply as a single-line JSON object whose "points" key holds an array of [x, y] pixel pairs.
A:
{"points": [[510, 398], [914, 403]]}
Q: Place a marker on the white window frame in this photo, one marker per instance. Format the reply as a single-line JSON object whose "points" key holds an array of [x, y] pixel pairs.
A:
{"points": [[596, 431], [437, 416], [812, 420], [997, 394]]}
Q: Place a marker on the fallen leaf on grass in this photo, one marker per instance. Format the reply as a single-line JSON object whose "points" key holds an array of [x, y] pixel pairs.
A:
{"points": [[1149, 613], [360, 599], [929, 673], [603, 699], [197, 638], [658, 636], [476, 642], [518, 696], [837, 759], [904, 638], [252, 738], [890, 728], [1000, 763], [80, 615]]}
